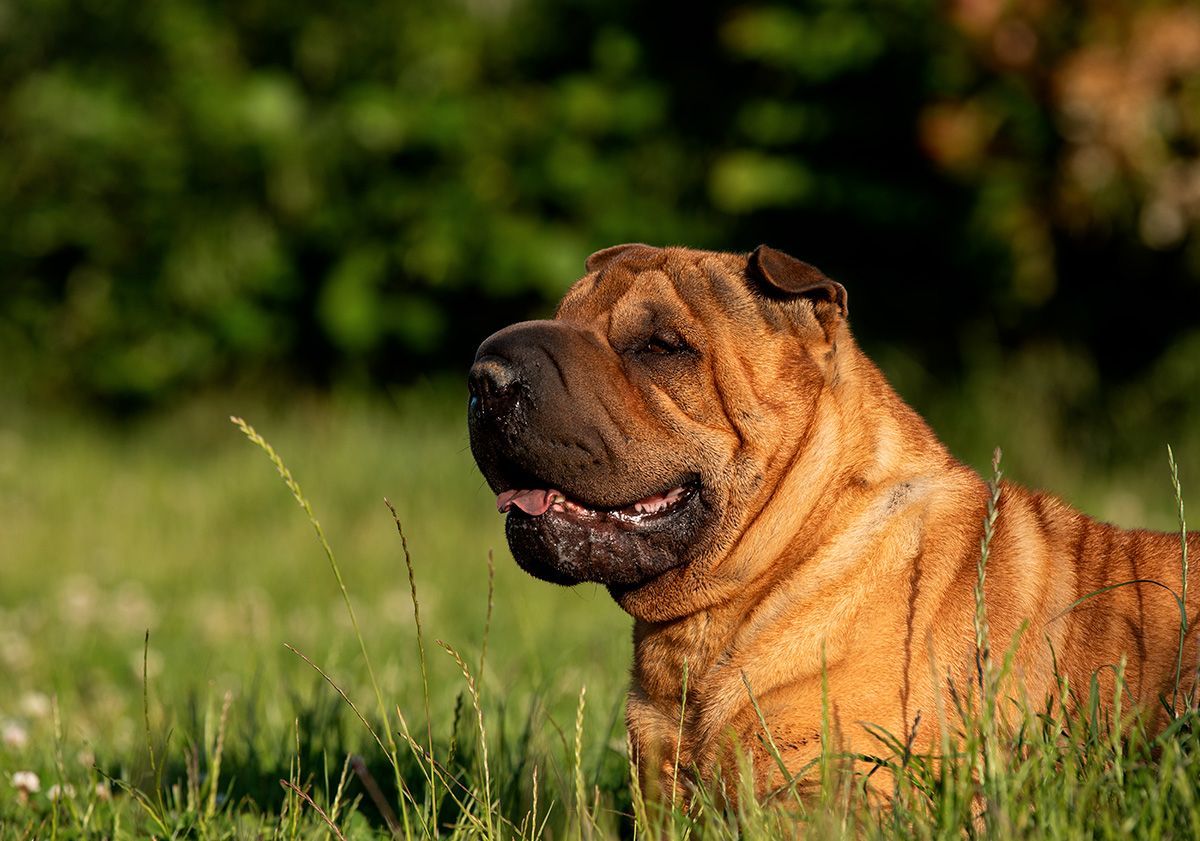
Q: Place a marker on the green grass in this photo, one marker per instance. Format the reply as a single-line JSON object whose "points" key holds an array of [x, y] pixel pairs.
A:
{"points": [[178, 526]]}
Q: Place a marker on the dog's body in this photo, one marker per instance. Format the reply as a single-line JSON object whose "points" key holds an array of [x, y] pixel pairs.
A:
{"points": [[700, 432]]}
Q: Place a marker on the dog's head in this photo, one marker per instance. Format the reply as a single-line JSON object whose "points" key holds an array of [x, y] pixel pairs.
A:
{"points": [[641, 429]]}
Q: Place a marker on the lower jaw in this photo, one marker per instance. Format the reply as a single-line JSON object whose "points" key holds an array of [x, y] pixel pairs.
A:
{"points": [[559, 548]]}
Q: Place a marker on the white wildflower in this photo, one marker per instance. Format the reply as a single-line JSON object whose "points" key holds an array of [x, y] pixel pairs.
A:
{"points": [[26, 782], [14, 735], [15, 650], [56, 791], [35, 704], [103, 791]]}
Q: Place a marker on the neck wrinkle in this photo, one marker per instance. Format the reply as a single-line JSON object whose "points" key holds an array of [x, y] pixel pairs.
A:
{"points": [[855, 460], [743, 561], [722, 583], [839, 446], [838, 439]]}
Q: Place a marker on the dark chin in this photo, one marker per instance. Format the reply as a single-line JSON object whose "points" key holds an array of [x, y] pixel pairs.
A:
{"points": [[562, 550]]}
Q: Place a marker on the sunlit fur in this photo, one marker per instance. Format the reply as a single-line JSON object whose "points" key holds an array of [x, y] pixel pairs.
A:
{"points": [[846, 537]]}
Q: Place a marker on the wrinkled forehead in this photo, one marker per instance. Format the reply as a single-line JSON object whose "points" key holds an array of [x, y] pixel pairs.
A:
{"points": [[699, 284]]}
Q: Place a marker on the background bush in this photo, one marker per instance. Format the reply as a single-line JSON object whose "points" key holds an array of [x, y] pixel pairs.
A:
{"points": [[301, 198], [201, 192]]}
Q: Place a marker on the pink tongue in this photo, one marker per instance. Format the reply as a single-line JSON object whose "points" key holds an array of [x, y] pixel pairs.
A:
{"points": [[534, 503]]}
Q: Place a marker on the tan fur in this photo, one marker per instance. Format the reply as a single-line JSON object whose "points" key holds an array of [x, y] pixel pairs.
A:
{"points": [[849, 543]]}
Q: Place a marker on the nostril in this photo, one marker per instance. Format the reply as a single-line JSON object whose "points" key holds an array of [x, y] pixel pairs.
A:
{"points": [[490, 379], [478, 384]]}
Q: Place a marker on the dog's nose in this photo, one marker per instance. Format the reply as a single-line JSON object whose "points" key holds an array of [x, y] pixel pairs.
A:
{"points": [[492, 383]]}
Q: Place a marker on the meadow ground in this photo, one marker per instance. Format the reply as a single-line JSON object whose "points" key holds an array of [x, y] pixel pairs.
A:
{"points": [[177, 527]]}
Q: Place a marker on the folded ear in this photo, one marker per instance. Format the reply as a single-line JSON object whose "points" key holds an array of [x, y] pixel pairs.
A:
{"points": [[630, 249], [783, 274]]}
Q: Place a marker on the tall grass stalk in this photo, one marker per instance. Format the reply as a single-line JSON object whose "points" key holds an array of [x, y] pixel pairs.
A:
{"points": [[300, 498], [214, 773], [288, 785], [1072, 765], [416, 606], [472, 687], [1183, 562], [767, 739], [581, 809], [641, 817], [155, 766], [992, 780], [487, 620], [679, 732]]}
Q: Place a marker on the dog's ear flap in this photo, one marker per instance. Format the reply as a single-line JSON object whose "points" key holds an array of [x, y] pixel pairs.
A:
{"points": [[630, 249], [783, 274]]}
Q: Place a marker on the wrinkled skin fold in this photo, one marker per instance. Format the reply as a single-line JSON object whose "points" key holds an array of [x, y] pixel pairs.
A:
{"points": [[700, 432]]}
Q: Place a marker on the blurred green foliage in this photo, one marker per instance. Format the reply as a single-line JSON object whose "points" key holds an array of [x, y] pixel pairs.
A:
{"points": [[195, 193]]}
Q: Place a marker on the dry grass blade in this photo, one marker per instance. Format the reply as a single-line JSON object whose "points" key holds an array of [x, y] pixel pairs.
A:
{"points": [[215, 770], [679, 733], [789, 780], [487, 775], [416, 605], [581, 809], [994, 788], [303, 795], [533, 809], [341, 692], [641, 819], [341, 787], [447, 778], [1183, 618], [982, 653], [155, 772], [298, 495], [405, 794], [487, 622]]}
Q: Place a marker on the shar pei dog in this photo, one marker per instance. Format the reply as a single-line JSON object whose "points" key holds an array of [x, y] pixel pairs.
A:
{"points": [[700, 433]]}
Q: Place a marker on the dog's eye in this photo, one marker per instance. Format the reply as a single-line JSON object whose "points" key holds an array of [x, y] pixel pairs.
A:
{"points": [[663, 344]]}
